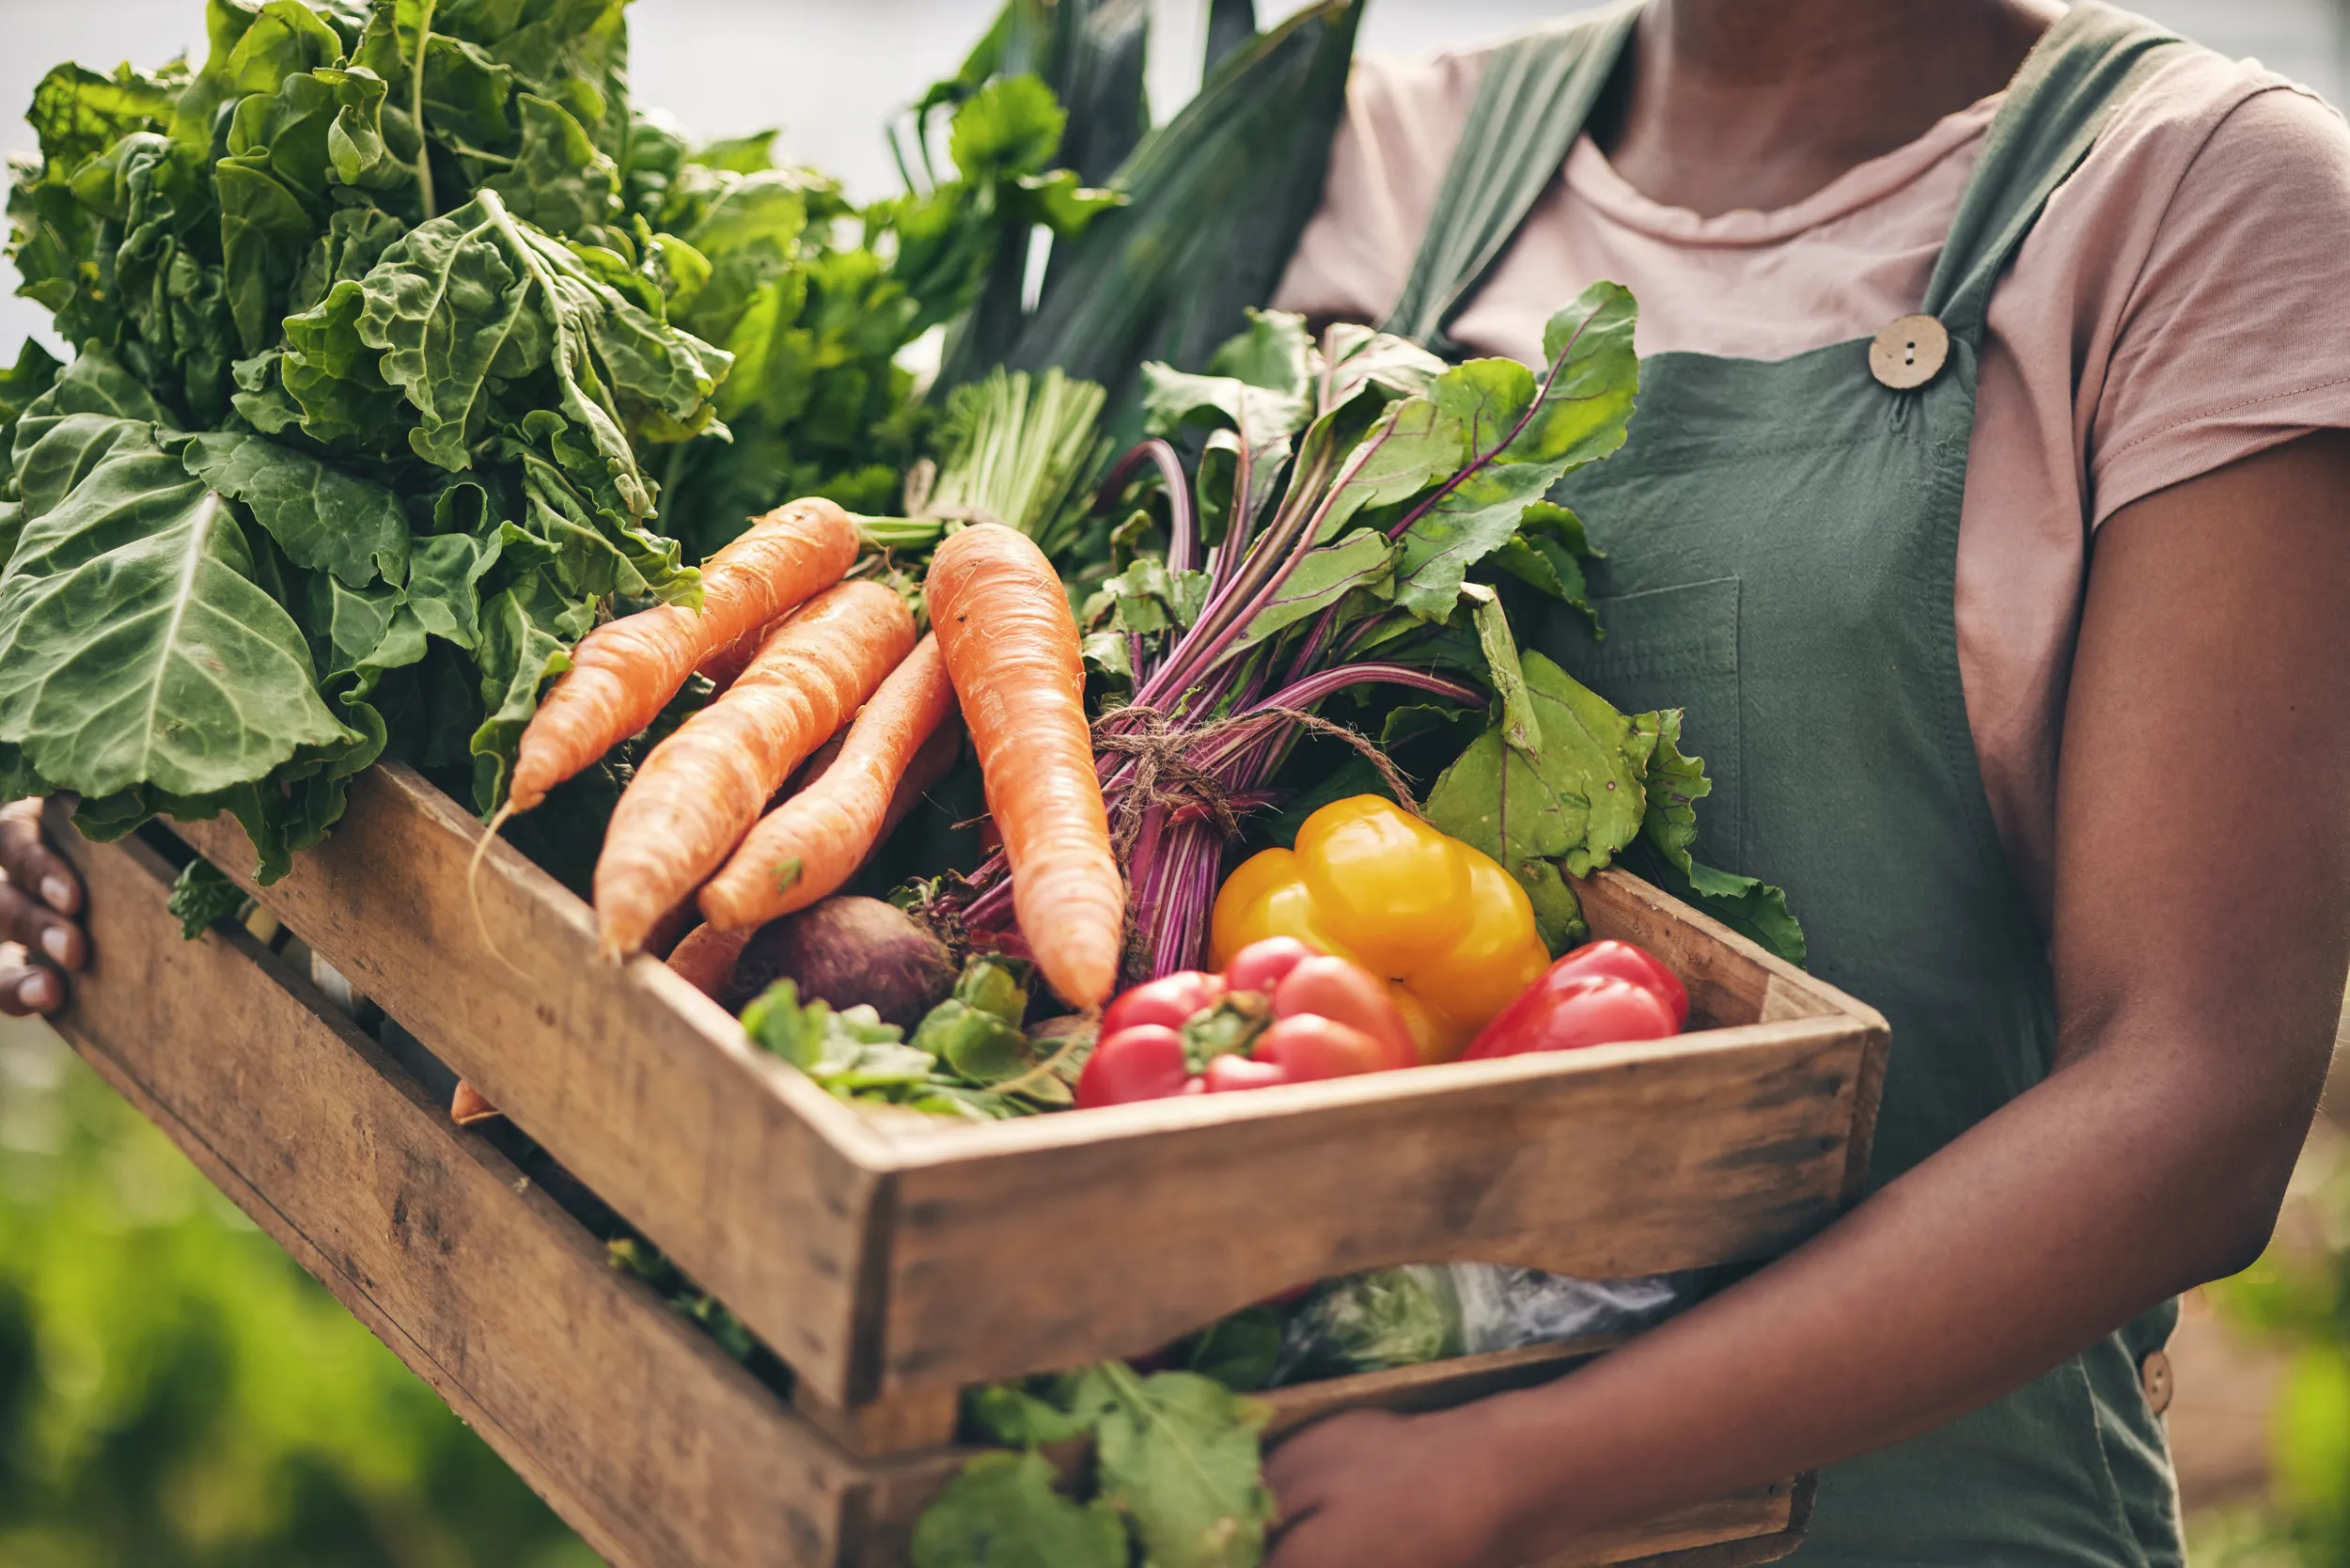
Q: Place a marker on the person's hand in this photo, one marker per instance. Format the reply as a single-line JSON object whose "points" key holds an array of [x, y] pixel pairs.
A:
{"points": [[1371, 1489], [40, 937]]}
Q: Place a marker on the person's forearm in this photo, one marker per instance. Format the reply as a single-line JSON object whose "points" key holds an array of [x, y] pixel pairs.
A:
{"points": [[2112, 1187]]}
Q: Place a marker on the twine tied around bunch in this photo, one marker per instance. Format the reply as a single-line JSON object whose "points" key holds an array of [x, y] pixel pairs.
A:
{"points": [[1164, 777]]}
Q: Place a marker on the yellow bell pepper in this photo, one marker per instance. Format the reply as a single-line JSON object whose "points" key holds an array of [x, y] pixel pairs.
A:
{"points": [[1452, 932]]}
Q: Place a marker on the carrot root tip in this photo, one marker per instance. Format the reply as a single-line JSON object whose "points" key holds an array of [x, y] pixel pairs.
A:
{"points": [[473, 888]]}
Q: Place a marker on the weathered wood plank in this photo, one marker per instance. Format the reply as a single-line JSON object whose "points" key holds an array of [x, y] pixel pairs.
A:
{"points": [[924, 1420], [1434, 1385], [1731, 978], [657, 1447], [661, 1451], [740, 1167], [888, 1259], [1136, 1223]]}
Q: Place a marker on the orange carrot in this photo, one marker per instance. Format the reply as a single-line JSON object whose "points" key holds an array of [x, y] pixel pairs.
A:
{"points": [[623, 672], [1011, 649], [725, 666], [704, 787], [816, 841], [467, 1108]]}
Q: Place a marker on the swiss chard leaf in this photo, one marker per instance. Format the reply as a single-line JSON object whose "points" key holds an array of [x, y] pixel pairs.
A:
{"points": [[560, 179], [526, 635], [34, 373], [138, 647], [78, 113], [474, 299], [324, 519]]}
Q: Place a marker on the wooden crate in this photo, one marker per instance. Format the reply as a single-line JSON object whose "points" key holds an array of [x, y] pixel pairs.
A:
{"points": [[892, 1263], [663, 1452]]}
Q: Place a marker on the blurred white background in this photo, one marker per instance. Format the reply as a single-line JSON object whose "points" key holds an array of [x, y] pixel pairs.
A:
{"points": [[829, 72]]}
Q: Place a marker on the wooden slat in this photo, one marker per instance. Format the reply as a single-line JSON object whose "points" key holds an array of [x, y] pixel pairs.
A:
{"points": [[1748, 1520], [1433, 1385], [1134, 1224], [888, 1259], [741, 1168], [1731, 977], [924, 1420], [659, 1450], [1761, 1517]]}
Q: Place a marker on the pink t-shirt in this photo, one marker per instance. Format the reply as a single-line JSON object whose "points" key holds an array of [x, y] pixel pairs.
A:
{"points": [[2184, 302]]}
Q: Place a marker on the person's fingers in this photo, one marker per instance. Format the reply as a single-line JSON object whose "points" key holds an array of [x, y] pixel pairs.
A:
{"points": [[41, 931], [27, 988], [26, 860]]}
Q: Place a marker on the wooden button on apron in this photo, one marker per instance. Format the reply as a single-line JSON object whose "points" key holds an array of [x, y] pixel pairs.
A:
{"points": [[1909, 352], [2154, 1375]]}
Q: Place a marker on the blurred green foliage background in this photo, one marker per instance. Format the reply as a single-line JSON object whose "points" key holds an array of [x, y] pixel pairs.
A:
{"points": [[175, 1392], [2296, 1300]]}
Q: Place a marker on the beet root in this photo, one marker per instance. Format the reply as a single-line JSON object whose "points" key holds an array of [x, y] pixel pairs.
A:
{"points": [[849, 952]]}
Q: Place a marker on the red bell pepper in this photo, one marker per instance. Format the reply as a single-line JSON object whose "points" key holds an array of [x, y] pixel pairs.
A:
{"points": [[1170, 999], [1617, 960], [1280, 1014], [1583, 1010], [1263, 965], [1147, 1061]]}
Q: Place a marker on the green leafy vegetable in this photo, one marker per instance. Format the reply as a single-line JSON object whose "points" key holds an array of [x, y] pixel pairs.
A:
{"points": [[965, 1060], [407, 343], [1002, 1512], [1178, 1454], [201, 898], [1597, 785], [634, 1255], [1215, 201], [324, 519], [1242, 1351], [996, 986], [1391, 1317], [1574, 803], [1176, 1476], [138, 647]]}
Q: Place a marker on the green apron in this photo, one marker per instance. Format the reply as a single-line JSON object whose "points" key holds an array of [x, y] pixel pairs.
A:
{"points": [[1781, 547]]}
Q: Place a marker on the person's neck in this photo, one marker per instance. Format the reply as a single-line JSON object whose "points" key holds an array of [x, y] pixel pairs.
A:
{"points": [[1723, 104]]}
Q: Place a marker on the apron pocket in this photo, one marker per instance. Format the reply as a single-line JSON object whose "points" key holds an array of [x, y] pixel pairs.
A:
{"points": [[1672, 648]]}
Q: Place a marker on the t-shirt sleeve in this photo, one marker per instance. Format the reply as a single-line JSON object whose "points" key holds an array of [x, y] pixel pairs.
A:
{"points": [[2235, 335], [1403, 120]]}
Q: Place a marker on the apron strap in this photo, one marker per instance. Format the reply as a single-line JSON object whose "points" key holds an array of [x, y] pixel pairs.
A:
{"points": [[2083, 70], [1537, 92]]}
